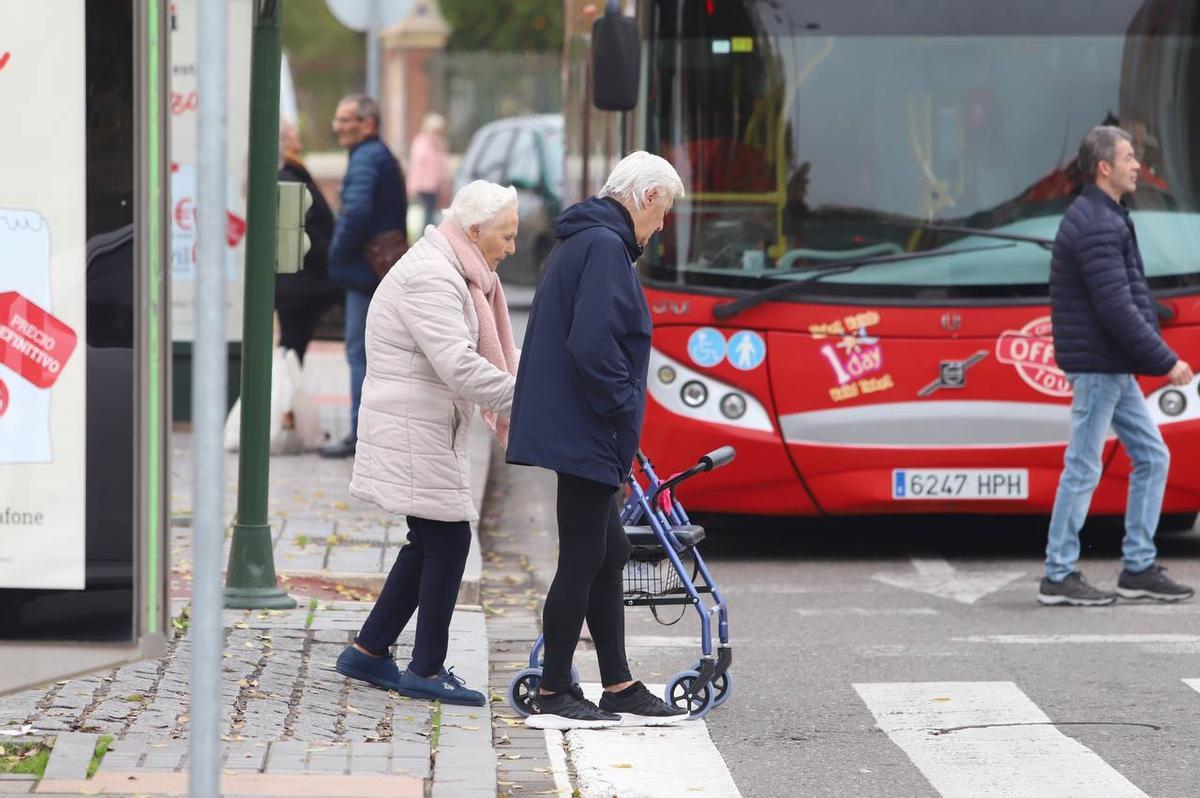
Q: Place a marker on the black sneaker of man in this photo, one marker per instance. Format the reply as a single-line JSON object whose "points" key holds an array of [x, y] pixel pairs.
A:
{"points": [[1152, 583], [637, 706], [1074, 591], [567, 710]]}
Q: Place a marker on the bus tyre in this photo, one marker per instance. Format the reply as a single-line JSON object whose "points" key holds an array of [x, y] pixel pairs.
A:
{"points": [[1177, 522], [676, 695]]}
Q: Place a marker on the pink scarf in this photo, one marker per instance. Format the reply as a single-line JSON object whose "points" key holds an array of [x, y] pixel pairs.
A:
{"points": [[495, 330]]}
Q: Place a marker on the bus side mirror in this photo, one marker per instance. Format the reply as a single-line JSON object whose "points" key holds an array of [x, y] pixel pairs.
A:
{"points": [[616, 61]]}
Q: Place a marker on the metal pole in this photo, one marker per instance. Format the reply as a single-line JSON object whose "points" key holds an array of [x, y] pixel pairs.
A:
{"points": [[250, 580], [373, 30], [208, 398]]}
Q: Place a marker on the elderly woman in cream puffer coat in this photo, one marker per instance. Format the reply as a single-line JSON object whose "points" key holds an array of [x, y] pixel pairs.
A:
{"points": [[439, 343]]}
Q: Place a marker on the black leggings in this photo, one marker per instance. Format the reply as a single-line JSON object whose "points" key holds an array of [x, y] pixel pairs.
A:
{"points": [[592, 551], [427, 572]]}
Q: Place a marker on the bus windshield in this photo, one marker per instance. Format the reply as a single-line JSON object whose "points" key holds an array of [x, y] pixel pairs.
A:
{"points": [[808, 133]]}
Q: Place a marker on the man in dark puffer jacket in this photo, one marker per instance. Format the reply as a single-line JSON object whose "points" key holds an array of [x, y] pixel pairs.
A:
{"points": [[1105, 331]]}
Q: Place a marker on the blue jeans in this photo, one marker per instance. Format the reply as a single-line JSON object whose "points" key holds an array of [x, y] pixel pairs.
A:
{"points": [[1101, 400], [357, 304]]}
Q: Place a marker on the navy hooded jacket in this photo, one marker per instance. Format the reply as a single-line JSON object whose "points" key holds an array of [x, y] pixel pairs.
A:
{"points": [[581, 385], [1103, 315], [373, 202]]}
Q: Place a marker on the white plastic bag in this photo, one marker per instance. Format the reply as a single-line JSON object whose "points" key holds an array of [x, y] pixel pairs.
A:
{"points": [[295, 422]]}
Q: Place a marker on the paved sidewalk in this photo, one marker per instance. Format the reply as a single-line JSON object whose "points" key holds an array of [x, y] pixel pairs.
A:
{"points": [[286, 714], [291, 726]]}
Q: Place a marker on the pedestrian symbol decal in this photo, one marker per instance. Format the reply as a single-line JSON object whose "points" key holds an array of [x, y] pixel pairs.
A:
{"points": [[706, 347], [747, 350]]}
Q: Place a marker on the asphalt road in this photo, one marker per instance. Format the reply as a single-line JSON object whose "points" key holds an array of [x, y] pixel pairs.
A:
{"points": [[819, 608]]}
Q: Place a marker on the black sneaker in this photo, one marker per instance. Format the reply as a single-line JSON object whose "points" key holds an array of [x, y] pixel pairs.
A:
{"points": [[567, 710], [1074, 591], [637, 706], [1152, 583]]}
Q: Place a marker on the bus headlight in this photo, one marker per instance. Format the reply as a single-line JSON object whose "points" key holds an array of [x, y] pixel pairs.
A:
{"points": [[666, 375], [733, 405], [693, 393], [1172, 402]]}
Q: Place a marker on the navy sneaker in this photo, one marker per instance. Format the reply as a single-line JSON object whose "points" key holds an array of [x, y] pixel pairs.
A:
{"points": [[379, 671], [447, 687]]}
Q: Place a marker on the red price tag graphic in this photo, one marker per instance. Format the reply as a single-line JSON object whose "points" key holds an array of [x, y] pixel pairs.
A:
{"points": [[33, 343]]}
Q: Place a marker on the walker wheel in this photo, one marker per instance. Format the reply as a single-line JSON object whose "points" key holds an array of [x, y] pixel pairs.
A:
{"points": [[723, 685], [676, 694], [523, 687]]}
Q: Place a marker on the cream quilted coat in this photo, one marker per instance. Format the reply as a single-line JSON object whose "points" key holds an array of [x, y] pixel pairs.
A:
{"points": [[424, 381]]}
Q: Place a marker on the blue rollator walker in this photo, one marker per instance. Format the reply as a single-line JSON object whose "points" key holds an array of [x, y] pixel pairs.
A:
{"points": [[656, 576]]}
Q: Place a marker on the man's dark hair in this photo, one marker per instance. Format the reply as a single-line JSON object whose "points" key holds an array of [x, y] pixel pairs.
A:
{"points": [[364, 106], [1100, 144]]}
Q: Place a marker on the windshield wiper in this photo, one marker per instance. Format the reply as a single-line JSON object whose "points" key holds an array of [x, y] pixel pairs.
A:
{"points": [[727, 309], [1044, 243]]}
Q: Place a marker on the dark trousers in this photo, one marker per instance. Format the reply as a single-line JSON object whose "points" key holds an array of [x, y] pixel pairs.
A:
{"points": [[297, 324], [592, 552], [427, 573]]}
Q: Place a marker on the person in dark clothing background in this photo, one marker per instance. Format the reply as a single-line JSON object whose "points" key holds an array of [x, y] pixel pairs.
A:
{"points": [[578, 408], [374, 202], [302, 298], [1105, 332]]}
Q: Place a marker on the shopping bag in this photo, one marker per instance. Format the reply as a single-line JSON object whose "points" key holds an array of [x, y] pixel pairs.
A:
{"points": [[295, 424]]}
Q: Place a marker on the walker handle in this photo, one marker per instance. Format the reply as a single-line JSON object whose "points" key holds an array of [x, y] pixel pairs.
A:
{"points": [[718, 458]]}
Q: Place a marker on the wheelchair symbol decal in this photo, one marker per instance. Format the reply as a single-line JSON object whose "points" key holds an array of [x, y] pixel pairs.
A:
{"points": [[706, 347]]}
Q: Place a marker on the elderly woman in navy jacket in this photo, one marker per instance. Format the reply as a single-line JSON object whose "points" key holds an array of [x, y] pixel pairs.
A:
{"points": [[580, 398]]}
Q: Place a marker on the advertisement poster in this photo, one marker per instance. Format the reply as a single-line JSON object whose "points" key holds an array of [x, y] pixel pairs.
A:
{"points": [[182, 106], [43, 262]]}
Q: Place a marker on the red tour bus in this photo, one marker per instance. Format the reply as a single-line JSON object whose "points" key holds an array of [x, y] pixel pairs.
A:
{"points": [[854, 291]]}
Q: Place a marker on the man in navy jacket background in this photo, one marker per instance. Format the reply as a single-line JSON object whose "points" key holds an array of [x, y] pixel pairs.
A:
{"points": [[578, 408], [374, 201], [1105, 332]]}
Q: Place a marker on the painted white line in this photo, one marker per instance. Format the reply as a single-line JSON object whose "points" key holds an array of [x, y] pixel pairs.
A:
{"points": [[677, 761], [1193, 683], [864, 612], [938, 577], [988, 740], [557, 752], [1041, 640]]}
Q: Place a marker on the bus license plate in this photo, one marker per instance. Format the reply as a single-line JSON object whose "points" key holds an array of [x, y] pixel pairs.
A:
{"points": [[960, 483]]}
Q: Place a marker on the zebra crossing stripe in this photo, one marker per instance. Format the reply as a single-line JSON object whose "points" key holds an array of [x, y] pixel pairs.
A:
{"points": [[1193, 683], [677, 761], [988, 740]]}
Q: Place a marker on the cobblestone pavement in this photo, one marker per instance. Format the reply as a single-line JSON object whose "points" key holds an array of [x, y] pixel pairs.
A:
{"points": [[285, 710]]}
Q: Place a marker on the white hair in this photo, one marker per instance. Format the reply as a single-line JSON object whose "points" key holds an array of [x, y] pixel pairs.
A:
{"points": [[637, 173], [479, 203]]}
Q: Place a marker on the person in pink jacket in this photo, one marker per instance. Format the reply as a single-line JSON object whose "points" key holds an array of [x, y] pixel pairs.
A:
{"points": [[427, 167], [439, 345]]}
